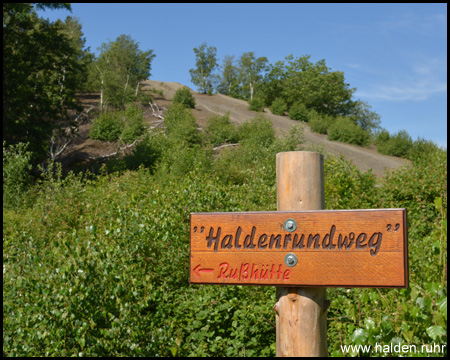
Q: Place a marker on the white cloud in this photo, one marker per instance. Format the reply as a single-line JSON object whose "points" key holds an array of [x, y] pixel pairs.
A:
{"points": [[424, 80]]}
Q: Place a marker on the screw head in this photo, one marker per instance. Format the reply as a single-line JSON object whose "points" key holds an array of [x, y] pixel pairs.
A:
{"points": [[290, 225], [290, 260]]}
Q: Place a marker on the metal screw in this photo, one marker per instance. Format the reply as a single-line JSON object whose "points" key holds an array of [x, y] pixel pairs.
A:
{"points": [[290, 225], [290, 260]]}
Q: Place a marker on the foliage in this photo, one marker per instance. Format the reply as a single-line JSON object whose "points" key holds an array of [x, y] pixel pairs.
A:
{"points": [[229, 78], [42, 70], [205, 62], [133, 124], [315, 85], [16, 173], [250, 69], [119, 70], [184, 97], [126, 125], [345, 130], [320, 123], [398, 144], [364, 117], [181, 125], [278, 107], [220, 129], [298, 111], [257, 104], [107, 127], [99, 267]]}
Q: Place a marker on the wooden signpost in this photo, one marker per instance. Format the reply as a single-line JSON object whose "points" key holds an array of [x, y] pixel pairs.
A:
{"points": [[301, 249]]}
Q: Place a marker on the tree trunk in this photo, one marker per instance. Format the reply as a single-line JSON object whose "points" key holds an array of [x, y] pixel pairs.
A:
{"points": [[137, 90], [101, 97], [125, 89]]}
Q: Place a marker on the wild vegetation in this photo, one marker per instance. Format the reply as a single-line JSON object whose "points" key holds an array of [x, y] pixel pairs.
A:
{"points": [[96, 263]]}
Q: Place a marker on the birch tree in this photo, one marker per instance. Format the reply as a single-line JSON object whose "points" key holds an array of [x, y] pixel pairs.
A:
{"points": [[251, 72], [229, 78], [205, 63], [119, 70]]}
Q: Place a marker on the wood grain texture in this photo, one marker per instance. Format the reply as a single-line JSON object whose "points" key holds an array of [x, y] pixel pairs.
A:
{"points": [[345, 248], [301, 313]]}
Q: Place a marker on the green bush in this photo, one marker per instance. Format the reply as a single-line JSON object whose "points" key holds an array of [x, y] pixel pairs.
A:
{"points": [[421, 148], [298, 111], [126, 125], [134, 124], [145, 98], [347, 131], [399, 144], [278, 107], [220, 129], [256, 104], [320, 123], [184, 97], [16, 173], [258, 132], [181, 125], [107, 127]]}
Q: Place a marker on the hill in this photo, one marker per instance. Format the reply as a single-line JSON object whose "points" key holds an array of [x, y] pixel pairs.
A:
{"points": [[84, 149]]}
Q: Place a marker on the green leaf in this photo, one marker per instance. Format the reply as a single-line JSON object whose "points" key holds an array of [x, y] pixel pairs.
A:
{"points": [[443, 307], [173, 350], [435, 332], [370, 324], [81, 341], [359, 336]]}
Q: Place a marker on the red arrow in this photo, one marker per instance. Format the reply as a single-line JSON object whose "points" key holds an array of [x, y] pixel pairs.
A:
{"points": [[197, 272]]}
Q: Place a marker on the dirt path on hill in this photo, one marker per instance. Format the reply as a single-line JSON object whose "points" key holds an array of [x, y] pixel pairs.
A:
{"points": [[219, 104]]}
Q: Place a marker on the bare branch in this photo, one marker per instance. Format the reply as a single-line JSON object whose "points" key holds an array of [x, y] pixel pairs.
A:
{"points": [[224, 146], [156, 112]]}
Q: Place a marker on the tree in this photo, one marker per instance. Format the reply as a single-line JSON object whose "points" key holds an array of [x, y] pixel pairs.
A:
{"points": [[40, 76], [250, 72], [315, 85], [362, 115], [229, 79], [205, 63], [119, 70]]}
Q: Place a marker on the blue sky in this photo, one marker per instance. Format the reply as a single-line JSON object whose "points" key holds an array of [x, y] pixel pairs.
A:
{"points": [[394, 54]]}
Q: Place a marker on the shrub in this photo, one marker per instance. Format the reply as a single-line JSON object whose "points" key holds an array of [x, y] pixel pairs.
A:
{"points": [[126, 125], [145, 98], [146, 153], [134, 124], [107, 127], [320, 123], [256, 104], [181, 125], [399, 144], [298, 111], [347, 131], [258, 132], [184, 97], [278, 107], [422, 147], [221, 130], [16, 172]]}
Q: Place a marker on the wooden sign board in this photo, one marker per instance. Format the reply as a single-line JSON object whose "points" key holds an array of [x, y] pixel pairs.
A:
{"points": [[329, 248]]}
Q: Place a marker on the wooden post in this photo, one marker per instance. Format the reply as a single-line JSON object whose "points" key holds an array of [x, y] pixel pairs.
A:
{"points": [[301, 312]]}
